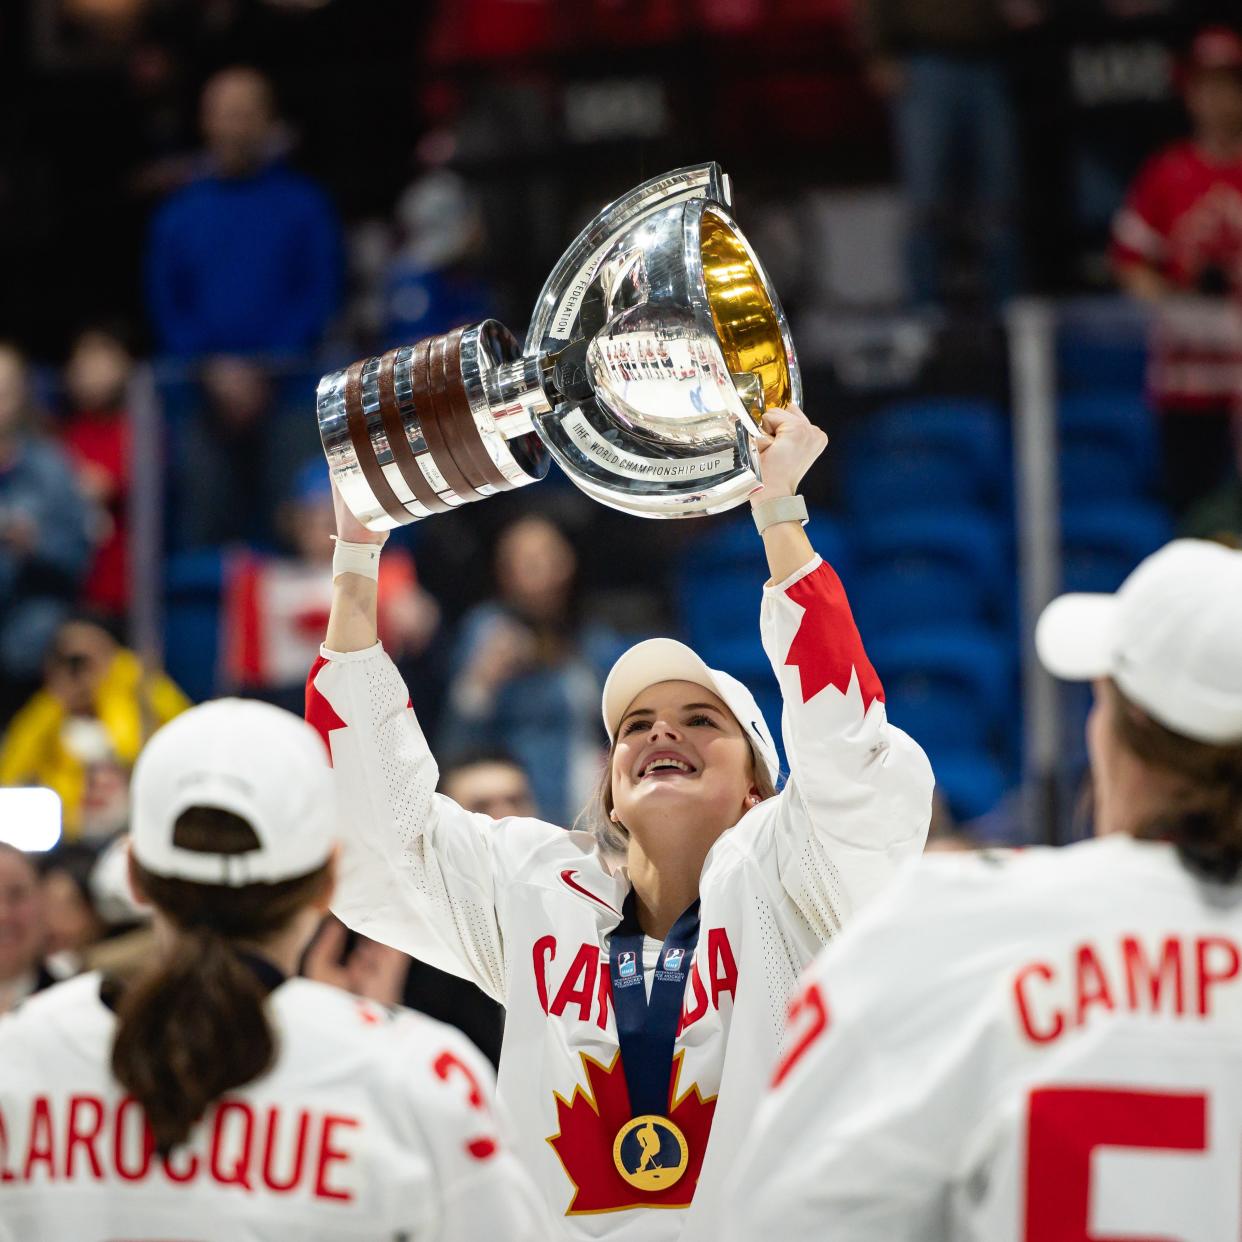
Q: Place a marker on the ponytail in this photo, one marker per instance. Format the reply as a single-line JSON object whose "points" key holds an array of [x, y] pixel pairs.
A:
{"points": [[191, 1030], [194, 1026]]}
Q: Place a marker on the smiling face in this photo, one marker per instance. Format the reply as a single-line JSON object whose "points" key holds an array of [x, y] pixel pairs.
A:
{"points": [[681, 761]]}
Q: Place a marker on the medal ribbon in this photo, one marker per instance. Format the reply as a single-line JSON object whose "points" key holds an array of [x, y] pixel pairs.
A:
{"points": [[647, 1029]]}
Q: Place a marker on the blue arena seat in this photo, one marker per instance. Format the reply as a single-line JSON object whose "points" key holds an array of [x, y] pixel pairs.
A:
{"points": [[718, 580], [928, 568], [1099, 472], [915, 480], [1102, 542], [973, 430], [972, 782], [1119, 419], [956, 685], [720, 602], [1087, 360]]}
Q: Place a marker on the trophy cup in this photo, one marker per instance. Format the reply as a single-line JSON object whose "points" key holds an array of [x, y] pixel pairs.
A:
{"points": [[656, 345]]}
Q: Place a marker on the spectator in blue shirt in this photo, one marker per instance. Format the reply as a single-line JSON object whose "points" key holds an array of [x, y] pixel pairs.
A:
{"points": [[246, 259], [244, 267], [45, 541]]}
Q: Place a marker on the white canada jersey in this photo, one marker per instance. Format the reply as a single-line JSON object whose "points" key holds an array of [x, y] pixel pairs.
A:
{"points": [[527, 910], [1036, 1046], [373, 1124]]}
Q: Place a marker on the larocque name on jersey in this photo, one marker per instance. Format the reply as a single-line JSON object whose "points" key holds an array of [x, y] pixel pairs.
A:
{"points": [[282, 1151]]}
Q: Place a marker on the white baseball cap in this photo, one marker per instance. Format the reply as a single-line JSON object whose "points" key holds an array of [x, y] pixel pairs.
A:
{"points": [[260, 762], [1171, 638], [665, 659]]}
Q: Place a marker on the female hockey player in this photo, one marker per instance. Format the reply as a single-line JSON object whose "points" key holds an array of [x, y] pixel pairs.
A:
{"points": [[645, 965], [215, 1098], [1044, 1045]]}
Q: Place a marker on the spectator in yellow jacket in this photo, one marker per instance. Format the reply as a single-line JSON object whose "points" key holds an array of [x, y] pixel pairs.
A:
{"points": [[97, 707]]}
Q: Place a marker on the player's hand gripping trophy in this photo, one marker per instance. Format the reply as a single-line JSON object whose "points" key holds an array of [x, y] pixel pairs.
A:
{"points": [[655, 347]]}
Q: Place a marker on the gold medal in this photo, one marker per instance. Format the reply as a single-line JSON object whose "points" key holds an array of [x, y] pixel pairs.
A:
{"points": [[651, 1153]]}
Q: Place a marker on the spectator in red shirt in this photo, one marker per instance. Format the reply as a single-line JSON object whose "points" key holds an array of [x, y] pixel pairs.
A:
{"points": [[96, 437], [1177, 242]]}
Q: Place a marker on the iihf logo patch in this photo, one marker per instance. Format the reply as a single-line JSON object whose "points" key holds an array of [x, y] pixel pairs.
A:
{"points": [[627, 965], [673, 958]]}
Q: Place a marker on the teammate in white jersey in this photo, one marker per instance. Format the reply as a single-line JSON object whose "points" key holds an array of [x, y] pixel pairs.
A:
{"points": [[1046, 1045], [645, 974], [213, 1098]]}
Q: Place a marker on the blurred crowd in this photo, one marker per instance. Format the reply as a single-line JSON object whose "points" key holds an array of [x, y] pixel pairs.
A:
{"points": [[243, 193]]}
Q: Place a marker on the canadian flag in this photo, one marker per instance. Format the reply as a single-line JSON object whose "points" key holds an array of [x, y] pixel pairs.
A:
{"points": [[276, 614]]}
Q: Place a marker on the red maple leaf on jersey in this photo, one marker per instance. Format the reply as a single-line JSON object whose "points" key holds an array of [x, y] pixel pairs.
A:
{"points": [[319, 712], [827, 649], [588, 1125]]}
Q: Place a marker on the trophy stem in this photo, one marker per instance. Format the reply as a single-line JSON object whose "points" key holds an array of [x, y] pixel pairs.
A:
{"points": [[413, 433], [514, 396]]}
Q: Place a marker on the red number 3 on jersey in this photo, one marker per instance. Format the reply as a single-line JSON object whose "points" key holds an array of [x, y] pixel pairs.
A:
{"points": [[448, 1064]]}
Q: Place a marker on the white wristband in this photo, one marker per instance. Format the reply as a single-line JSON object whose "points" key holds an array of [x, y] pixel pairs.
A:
{"points": [[780, 509], [355, 558]]}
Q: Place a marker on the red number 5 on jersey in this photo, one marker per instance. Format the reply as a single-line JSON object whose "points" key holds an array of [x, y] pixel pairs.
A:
{"points": [[1065, 1126]]}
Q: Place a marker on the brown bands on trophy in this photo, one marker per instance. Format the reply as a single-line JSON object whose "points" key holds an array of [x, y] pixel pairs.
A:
{"points": [[460, 430], [360, 437], [402, 454], [434, 427]]}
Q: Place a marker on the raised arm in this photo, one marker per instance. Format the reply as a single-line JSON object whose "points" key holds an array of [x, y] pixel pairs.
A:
{"points": [[859, 796], [417, 871], [353, 621]]}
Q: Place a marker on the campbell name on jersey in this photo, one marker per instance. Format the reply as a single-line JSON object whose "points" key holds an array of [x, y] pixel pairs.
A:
{"points": [[1057, 1053], [527, 910]]}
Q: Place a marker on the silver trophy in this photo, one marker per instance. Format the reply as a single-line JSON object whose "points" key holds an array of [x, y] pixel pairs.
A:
{"points": [[656, 345]]}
